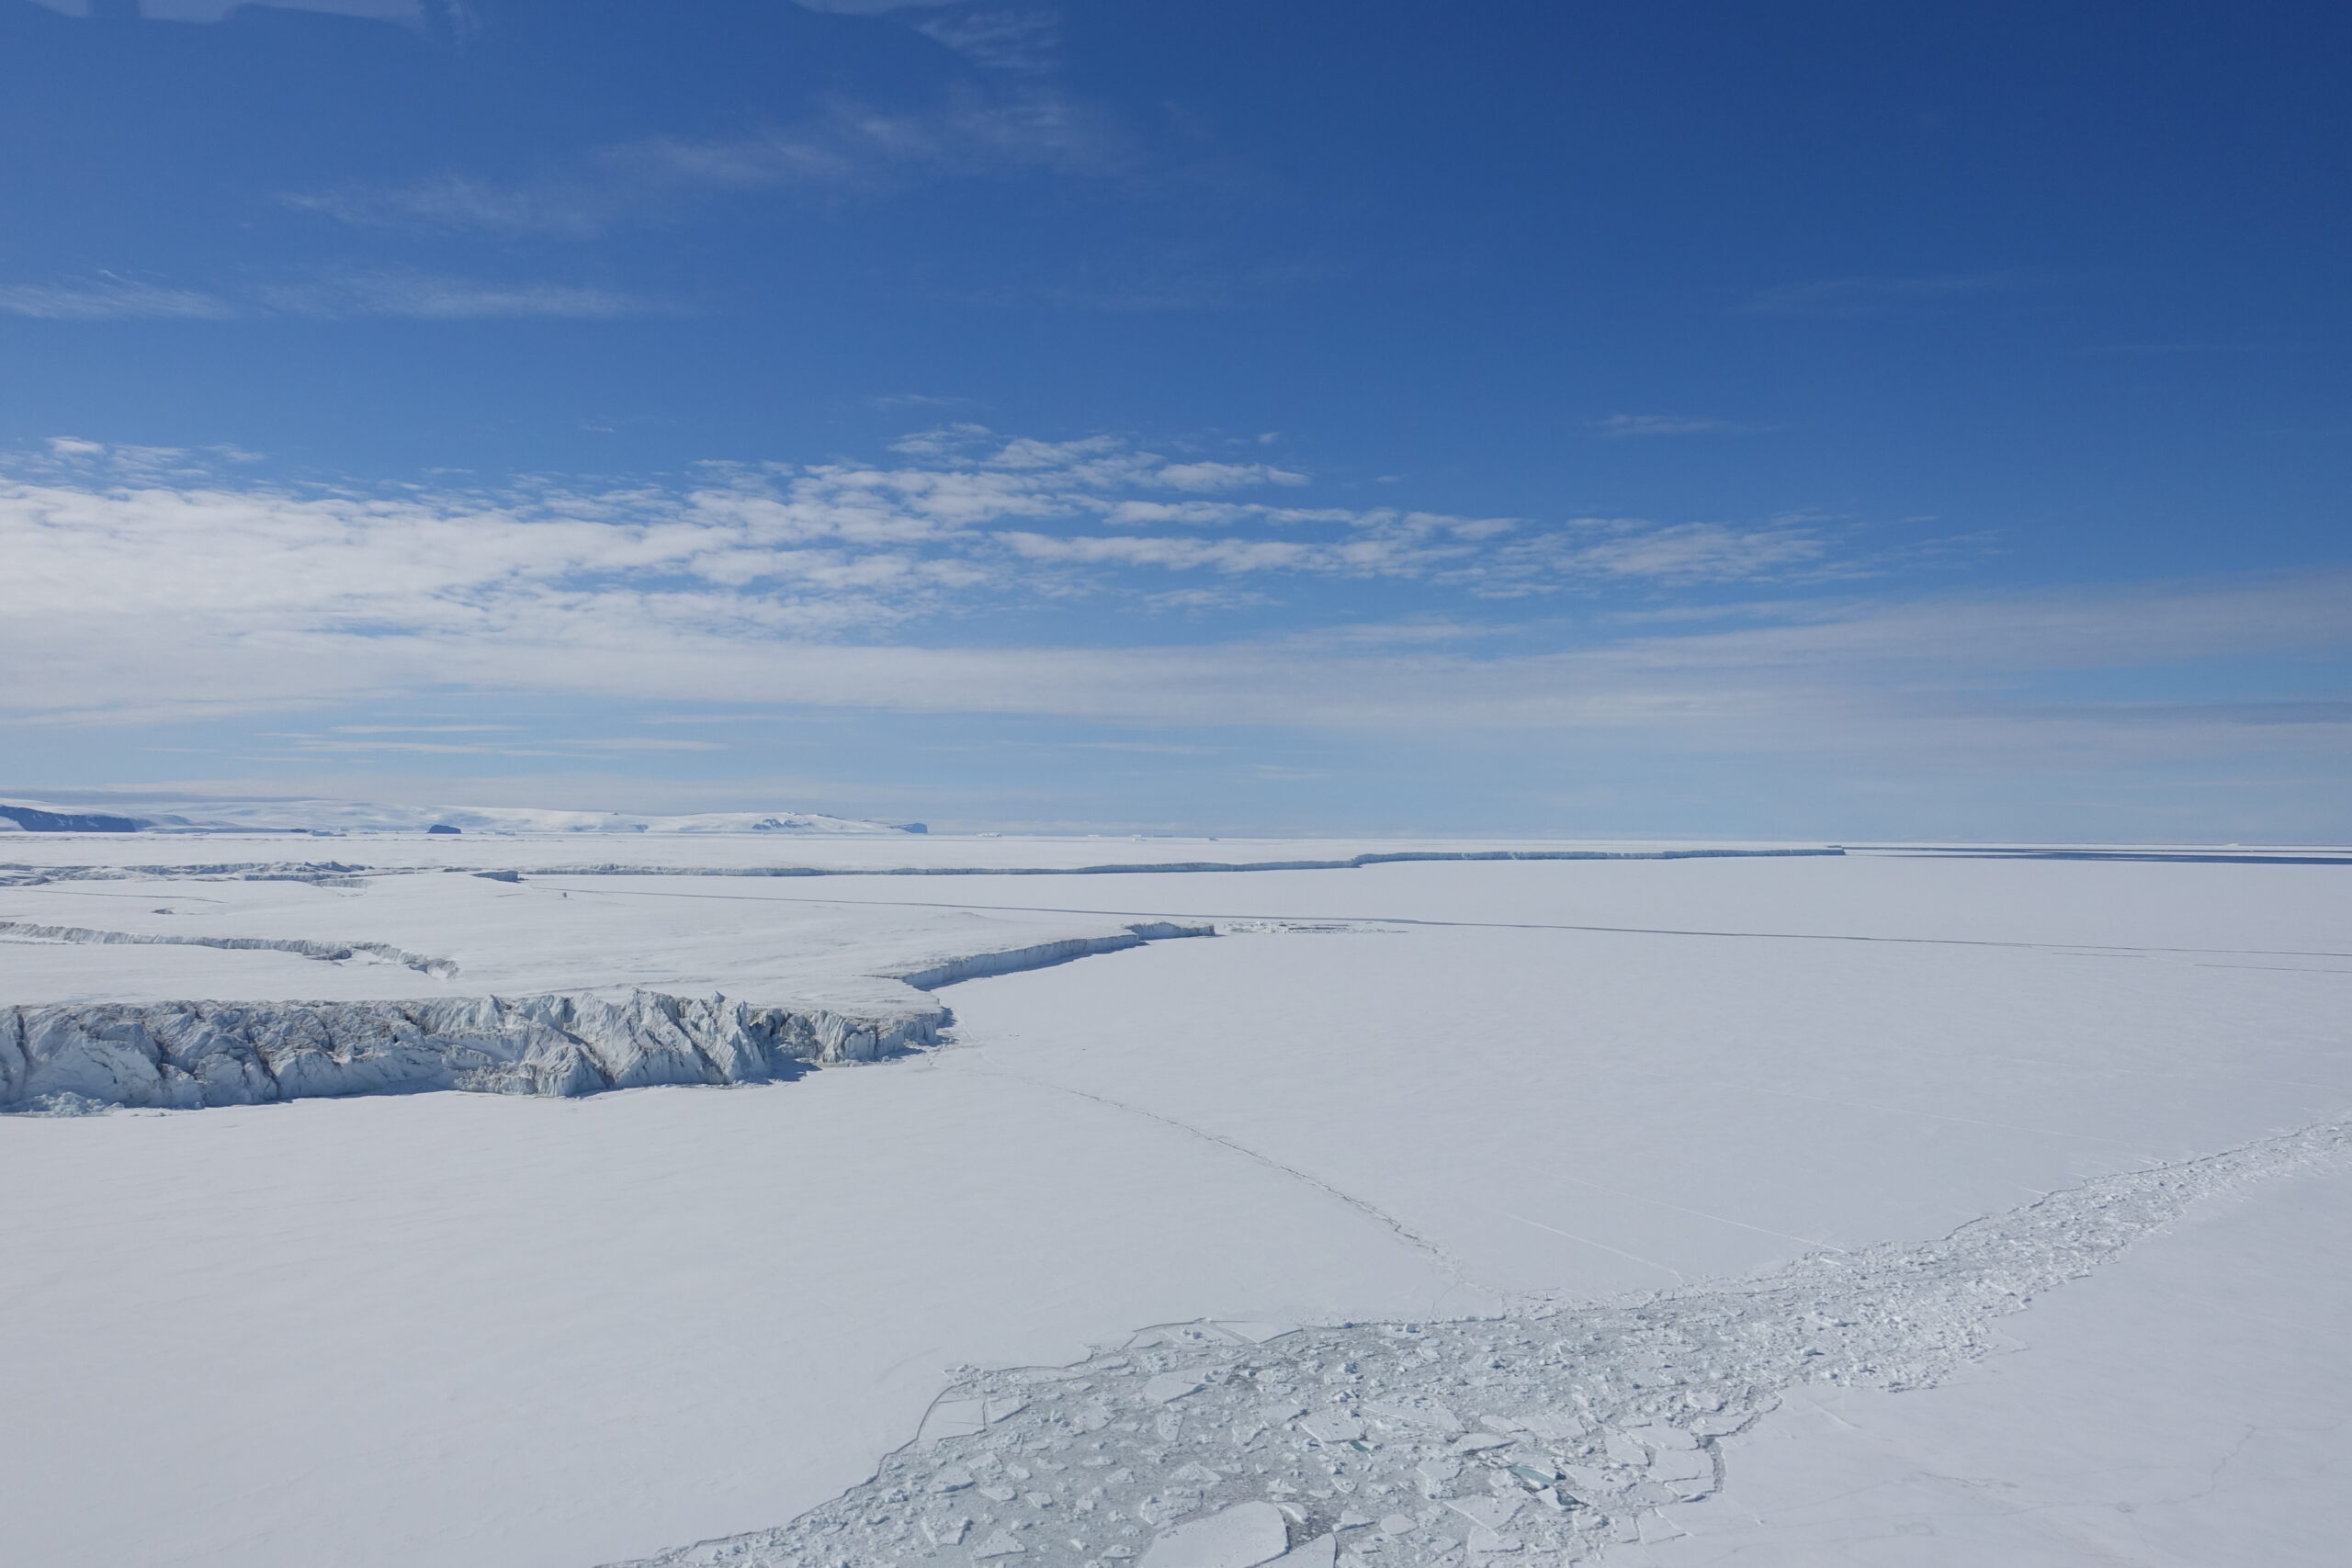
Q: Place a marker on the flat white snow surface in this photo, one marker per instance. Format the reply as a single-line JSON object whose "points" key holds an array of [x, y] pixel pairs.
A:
{"points": [[1509, 1170]]}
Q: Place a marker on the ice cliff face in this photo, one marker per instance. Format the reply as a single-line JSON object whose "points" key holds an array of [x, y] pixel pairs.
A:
{"points": [[33, 820], [186, 1055]]}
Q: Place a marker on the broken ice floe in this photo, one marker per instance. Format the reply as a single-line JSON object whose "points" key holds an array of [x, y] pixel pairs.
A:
{"points": [[318, 873], [1170, 1386], [1543, 1436], [1243, 1535]]}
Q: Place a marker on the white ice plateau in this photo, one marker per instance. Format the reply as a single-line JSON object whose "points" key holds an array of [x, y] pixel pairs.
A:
{"points": [[1509, 1203]]}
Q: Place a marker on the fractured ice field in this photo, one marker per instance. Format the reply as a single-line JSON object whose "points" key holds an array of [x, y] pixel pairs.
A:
{"points": [[1887, 1207]]}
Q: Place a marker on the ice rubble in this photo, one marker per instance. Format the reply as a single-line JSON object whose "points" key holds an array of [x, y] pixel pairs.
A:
{"points": [[185, 1055], [318, 873], [1546, 1436]]}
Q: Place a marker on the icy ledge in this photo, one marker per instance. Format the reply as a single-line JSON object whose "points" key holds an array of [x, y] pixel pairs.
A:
{"points": [[1175, 867], [184, 1055], [340, 875], [1549, 1435], [331, 952]]}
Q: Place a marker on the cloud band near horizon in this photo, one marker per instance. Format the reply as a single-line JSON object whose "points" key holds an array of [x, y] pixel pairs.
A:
{"points": [[146, 588]]}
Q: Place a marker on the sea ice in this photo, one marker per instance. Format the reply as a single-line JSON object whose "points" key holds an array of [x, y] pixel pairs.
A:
{"points": [[1320, 1552], [593, 1329], [1242, 1536], [1170, 1386]]}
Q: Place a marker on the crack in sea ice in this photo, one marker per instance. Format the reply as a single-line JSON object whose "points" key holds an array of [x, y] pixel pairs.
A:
{"points": [[1538, 1436], [1447, 1264]]}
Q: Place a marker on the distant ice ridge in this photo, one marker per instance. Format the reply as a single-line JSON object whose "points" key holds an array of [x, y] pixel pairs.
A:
{"points": [[1142, 868], [334, 952], [168, 815], [1543, 1437], [187, 1054], [18, 874]]}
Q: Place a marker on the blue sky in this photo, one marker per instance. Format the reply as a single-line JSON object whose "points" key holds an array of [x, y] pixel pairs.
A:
{"points": [[1838, 420]]}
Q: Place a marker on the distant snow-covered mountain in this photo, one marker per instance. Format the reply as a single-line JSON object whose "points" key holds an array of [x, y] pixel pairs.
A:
{"points": [[193, 814]]}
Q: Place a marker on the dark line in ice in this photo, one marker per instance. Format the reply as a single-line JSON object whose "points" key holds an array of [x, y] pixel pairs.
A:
{"points": [[1631, 1256], [1446, 1261], [2069, 948], [2156, 857], [1680, 1209]]}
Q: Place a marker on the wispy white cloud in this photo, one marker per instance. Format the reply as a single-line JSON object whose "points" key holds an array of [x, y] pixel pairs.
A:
{"points": [[307, 747], [1205, 601], [1027, 41], [1633, 549], [418, 729], [845, 147], [138, 589], [1182, 555], [872, 8], [125, 462], [894, 401], [428, 297], [809, 550], [1621, 426], [2166, 348], [1226, 476], [108, 298], [642, 743], [410, 12], [334, 744], [1163, 281], [1877, 296], [330, 296]]}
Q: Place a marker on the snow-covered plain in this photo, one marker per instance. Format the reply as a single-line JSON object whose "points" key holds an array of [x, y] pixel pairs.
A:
{"points": [[1466, 1106], [328, 977]]}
